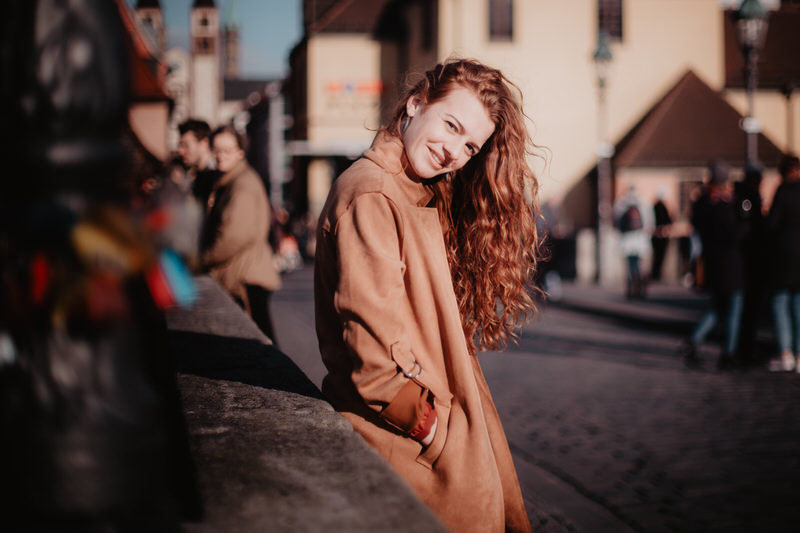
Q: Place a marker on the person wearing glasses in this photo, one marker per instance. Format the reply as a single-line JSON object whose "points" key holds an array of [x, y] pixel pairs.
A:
{"points": [[233, 243]]}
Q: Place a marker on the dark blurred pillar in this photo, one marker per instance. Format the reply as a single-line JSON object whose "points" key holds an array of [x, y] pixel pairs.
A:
{"points": [[89, 429]]}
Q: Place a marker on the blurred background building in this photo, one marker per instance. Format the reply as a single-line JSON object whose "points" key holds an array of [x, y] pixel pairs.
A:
{"points": [[204, 81], [674, 93], [649, 105]]}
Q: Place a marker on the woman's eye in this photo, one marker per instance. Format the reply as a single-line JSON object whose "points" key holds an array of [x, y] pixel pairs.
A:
{"points": [[451, 125], [470, 150]]}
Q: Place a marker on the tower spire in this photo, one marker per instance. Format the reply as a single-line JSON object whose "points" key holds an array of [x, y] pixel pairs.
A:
{"points": [[229, 18], [230, 41]]}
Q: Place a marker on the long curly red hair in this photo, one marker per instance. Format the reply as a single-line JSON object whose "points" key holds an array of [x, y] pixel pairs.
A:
{"points": [[489, 208]]}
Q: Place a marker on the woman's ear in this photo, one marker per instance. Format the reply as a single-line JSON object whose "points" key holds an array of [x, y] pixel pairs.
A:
{"points": [[412, 105]]}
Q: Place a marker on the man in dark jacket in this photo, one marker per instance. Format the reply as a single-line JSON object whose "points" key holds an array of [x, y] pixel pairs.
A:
{"points": [[195, 151], [748, 199], [716, 219]]}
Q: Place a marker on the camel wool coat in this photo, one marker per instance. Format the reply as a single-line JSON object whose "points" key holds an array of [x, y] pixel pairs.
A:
{"points": [[388, 322], [234, 246]]}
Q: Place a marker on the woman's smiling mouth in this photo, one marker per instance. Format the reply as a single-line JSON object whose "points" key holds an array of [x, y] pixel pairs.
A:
{"points": [[436, 159]]}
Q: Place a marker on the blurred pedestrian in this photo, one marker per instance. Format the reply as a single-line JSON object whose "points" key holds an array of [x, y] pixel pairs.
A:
{"points": [[721, 229], [748, 199], [635, 225], [283, 242], [548, 277], [173, 216], [195, 151], [783, 226], [661, 231], [419, 244], [234, 247]]}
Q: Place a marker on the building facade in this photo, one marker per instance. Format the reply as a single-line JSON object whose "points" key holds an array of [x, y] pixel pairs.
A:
{"points": [[546, 48], [204, 82]]}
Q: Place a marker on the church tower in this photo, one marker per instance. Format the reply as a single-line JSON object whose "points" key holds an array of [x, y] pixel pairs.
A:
{"points": [[149, 14], [206, 80], [230, 41]]}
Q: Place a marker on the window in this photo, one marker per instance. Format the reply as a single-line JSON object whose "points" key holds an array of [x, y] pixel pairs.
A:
{"points": [[427, 25], [501, 17], [203, 45], [609, 17]]}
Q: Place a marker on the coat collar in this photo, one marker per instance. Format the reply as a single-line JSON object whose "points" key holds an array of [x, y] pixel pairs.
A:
{"points": [[387, 152], [232, 174]]}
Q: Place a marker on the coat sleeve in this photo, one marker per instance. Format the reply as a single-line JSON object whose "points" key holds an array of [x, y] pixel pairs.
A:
{"points": [[236, 224], [773, 222], [371, 289]]}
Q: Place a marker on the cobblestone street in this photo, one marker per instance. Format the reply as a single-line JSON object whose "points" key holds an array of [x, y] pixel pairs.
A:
{"points": [[611, 433]]}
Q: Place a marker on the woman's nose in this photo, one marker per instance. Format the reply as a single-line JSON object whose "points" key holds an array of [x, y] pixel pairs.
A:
{"points": [[450, 150]]}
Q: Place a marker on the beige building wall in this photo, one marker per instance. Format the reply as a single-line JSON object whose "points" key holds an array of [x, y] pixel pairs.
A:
{"points": [[777, 116], [344, 98], [550, 58], [343, 88]]}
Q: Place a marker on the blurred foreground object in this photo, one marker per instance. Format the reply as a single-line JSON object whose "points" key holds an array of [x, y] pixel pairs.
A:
{"points": [[91, 430]]}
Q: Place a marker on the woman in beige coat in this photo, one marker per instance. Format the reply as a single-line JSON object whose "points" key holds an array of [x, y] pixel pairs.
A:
{"points": [[234, 246], [417, 243]]}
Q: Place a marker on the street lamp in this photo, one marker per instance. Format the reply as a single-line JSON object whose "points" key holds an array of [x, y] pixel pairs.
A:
{"points": [[602, 59], [751, 23]]}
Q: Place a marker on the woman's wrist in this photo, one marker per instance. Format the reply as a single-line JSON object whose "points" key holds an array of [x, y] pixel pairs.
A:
{"points": [[426, 429], [432, 433]]}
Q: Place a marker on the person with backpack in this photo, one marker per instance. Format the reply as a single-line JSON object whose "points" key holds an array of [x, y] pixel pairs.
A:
{"points": [[634, 224]]}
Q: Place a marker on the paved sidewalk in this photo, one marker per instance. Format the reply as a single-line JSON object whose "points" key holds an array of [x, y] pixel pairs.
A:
{"points": [[666, 307], [611, 433]]}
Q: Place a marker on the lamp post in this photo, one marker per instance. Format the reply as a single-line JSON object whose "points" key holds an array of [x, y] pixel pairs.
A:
{"points": [[602, 58], [751, 23]]}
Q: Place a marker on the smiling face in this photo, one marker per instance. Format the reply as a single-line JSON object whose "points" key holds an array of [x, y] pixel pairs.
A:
{"points": [[442, 136]]}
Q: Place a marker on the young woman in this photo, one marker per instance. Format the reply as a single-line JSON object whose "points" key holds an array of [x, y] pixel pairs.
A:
{"points": [[234, 247], [425, 248]]}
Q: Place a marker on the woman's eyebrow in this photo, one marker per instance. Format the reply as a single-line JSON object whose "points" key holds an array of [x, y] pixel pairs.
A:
{"points": [[454, 119]]}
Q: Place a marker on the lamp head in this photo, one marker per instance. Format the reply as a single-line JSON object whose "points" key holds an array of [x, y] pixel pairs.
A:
{"points": [[751, 21]]}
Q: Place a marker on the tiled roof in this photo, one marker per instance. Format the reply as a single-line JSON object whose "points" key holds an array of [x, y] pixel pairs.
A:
{"points": [[342, 16], [147, 73], [236, 89], [779, 61], [689, 126], [313, 10]]}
